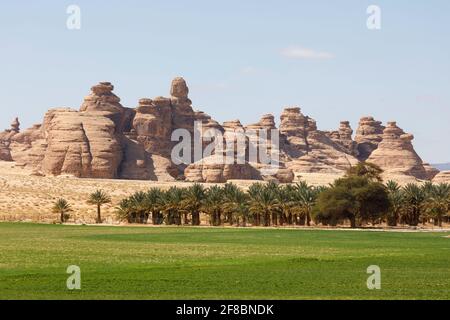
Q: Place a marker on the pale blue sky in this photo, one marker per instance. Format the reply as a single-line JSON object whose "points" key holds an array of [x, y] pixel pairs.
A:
{"points": [[231, 54]]}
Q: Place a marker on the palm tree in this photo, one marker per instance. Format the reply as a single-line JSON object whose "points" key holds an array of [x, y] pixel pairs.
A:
{"points": [[266, 203], [153, 203], [305, 197], [141, 211], [171, 205], [396, 200], [62, 207], [229, 191], [254, 193], [236, 205], [124, 210], [193, 202], [438, 202], [213, 204], [99, 198], [286, 204], [414, 202]]}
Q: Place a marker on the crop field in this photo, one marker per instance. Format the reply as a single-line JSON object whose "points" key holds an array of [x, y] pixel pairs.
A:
{"points": [[220, 263]]}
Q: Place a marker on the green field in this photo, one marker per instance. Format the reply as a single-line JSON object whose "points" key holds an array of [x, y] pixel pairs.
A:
{"points": [[207, 263]]}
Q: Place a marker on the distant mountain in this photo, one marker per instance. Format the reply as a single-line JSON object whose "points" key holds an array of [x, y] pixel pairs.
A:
{"points": [[442, 166]]}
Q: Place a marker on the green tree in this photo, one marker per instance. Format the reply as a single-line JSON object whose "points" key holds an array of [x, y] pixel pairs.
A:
{"points": [[355, 198], [396, 203], [285, 197], [141, 211], [366, 169], [171, 205], [265, 202], [193, 202], [254, 194], [62, 207], [304, 197], [99, 198], [236, 205], [437, 203], [414, 201], [124, 210], [213, 204], [153, 199]]}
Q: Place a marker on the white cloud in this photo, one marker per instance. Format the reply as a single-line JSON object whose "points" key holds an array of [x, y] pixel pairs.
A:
{"points": [[305, 53], [248, 70]]}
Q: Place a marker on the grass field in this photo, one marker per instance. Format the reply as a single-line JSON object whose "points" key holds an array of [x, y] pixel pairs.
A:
{"points": [[206, 263]]}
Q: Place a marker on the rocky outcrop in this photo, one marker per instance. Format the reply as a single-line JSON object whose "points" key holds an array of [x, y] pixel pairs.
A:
{"points": [[5, 152], [430, 171], [153, 125], [344, 137], [88, 142], [15, 126], [82, 144], [395, 153], [104, 139], [368, 135], [309, 149], [214, 169]]}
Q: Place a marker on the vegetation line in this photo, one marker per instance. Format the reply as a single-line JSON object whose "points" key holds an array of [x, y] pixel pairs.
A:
{"points": [[359, 198]]}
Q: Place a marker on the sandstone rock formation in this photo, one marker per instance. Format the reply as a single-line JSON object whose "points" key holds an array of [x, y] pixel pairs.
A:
{"points": [[104, 139], [15, 125], [430, 171], [368, 136], [395, 153], [344, 137], [83, 144], [309, 149], [5, 152]]}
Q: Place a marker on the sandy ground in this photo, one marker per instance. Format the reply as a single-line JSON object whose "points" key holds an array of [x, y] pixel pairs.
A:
{"points": [[29, 198]]}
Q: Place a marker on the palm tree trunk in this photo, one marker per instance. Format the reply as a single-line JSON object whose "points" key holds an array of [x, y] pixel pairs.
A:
{"points": [[353, 221], [99, 216], [195, 218], [266, 219], [219, 219], [62, 217]]}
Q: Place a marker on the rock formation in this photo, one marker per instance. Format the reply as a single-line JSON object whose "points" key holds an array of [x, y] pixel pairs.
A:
{"points": [[368, 136], [15, 125], [104, 139], [395, 153], [430, 171], [5, 152], [344, 137], [309, 149]]}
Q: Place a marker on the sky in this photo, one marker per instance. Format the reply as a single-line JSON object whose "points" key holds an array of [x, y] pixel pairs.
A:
{"points": [[241, 59]]}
